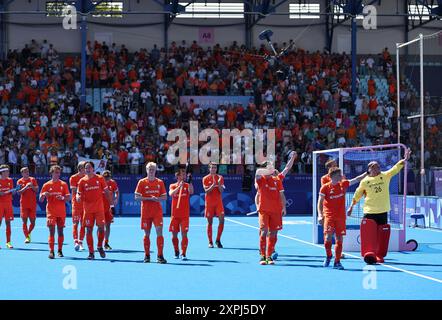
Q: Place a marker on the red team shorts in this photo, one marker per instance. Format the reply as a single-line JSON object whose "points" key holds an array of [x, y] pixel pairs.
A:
{"points": [[148, 219], [108, 216], [56, 221], [94, 218], [270, 220], [177, 224], [6, 211], [77, 215], [30, 213], [213, 210], [336, 226]]}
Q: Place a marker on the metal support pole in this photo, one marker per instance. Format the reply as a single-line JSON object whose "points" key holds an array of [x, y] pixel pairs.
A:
{"points": [[83, 61], [421, 39], [354, 29], [398, 91]]}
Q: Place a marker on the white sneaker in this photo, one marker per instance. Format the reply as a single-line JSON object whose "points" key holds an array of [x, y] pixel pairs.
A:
{"points": [[81, 246], [183, 257], [77, 246]]}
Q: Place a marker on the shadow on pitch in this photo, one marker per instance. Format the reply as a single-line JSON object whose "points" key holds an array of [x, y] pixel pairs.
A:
{"points": [[124, 251], [137, 261], [243, 249], [30, 249], [300, 260], [215, 261], [328, 268]]}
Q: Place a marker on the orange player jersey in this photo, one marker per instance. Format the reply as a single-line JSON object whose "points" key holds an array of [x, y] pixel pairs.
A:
{"points": [[184, 210], [28, 199], [73, 182], [269, 189], [6, 185], [147, 188], [213, 196], [55, 207], [113, 187], [325, 179], [334, 199], [91, 191]]}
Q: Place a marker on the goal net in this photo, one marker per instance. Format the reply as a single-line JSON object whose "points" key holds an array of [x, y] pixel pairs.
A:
{"points": [[353, 162]]}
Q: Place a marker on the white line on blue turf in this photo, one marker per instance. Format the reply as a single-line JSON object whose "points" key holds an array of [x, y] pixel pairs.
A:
{"points": [[346, 253], [426, 229]]}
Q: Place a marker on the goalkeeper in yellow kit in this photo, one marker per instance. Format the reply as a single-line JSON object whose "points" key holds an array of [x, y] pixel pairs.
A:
{"points": [[375, 230]]}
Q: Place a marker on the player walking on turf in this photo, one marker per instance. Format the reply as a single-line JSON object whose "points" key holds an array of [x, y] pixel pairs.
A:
{"points": [[281, 176], [28, 201], [109, 207], [56, 193], [271, 208], [180, 192], [151, 191], [375, 230], [77, 208], [331, 213], [213, 185], [90, 190], [6, 191]]}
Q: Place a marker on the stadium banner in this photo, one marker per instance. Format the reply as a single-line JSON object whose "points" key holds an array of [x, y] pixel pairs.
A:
{"points": [[206, 35], [100, 165], [213, 102], [430, 207], [438, 182]]}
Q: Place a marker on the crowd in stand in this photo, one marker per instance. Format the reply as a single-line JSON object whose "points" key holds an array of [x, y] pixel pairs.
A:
{"points": [[309, 104]]}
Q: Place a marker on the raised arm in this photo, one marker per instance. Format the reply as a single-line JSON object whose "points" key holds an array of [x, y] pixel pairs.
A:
{"points": [[289, 165], [399, 165], [356, 197], [357, 179]]}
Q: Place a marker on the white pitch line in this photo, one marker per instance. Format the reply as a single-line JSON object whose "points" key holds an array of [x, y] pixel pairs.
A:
{"points": [[426, 229], [346, 253]]}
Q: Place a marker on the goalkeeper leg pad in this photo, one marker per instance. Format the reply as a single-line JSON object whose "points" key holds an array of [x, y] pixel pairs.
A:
{"points": [[383, 240], [369, 235]]}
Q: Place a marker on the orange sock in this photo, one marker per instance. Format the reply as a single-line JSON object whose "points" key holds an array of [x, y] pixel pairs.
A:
{"points": [[262, 245], [220, 231], [184, 243], [60, 242], [160, 245], [51, 242], [209, 232], [75, 231], [100, 238], [328, 246], [271, 245], [90, 242], [82, 232], [8, 233], [146, 242], [25, 230], [175, 244], [31, 227], [338, 251]]}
